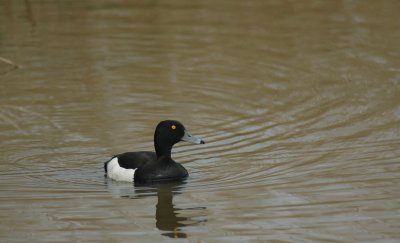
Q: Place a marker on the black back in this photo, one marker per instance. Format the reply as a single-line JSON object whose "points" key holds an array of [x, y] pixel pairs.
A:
{"points": [[133, 160]]}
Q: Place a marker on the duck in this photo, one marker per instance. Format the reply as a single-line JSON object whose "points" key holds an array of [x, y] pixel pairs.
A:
{"points": [[153, 167]]}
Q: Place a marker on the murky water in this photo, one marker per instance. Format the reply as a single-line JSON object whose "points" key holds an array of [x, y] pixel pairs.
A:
{"points": [[298, 101]]}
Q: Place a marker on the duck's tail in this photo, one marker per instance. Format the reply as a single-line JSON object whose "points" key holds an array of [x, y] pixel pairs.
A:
{"points": [[106, 163]]}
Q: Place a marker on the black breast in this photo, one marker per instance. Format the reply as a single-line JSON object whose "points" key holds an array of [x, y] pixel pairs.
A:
{"points": [[165, 169]]}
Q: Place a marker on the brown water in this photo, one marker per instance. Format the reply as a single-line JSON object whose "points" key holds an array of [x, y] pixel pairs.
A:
{"points": [[298, 101]]}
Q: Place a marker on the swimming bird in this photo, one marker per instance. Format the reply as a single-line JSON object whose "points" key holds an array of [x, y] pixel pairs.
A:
{"points": [[158, 166]]}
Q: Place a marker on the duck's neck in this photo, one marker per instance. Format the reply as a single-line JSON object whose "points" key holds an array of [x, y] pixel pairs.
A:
{"points": [[163, 151]]}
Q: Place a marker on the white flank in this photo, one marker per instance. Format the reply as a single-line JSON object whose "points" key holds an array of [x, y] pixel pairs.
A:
{"points": [[116, 172]]}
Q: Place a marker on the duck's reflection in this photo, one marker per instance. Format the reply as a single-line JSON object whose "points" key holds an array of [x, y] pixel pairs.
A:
{"points": [[169, 218]]}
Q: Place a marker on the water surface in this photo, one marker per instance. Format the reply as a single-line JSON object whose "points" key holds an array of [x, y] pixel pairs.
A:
{"points": [[298, 102]]}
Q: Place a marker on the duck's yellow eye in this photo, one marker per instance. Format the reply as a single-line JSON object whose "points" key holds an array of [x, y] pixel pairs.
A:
{"points": [[173, 127]]}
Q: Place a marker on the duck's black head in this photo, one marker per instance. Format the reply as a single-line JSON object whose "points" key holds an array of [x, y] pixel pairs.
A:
{"points": [[170, 132]]}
